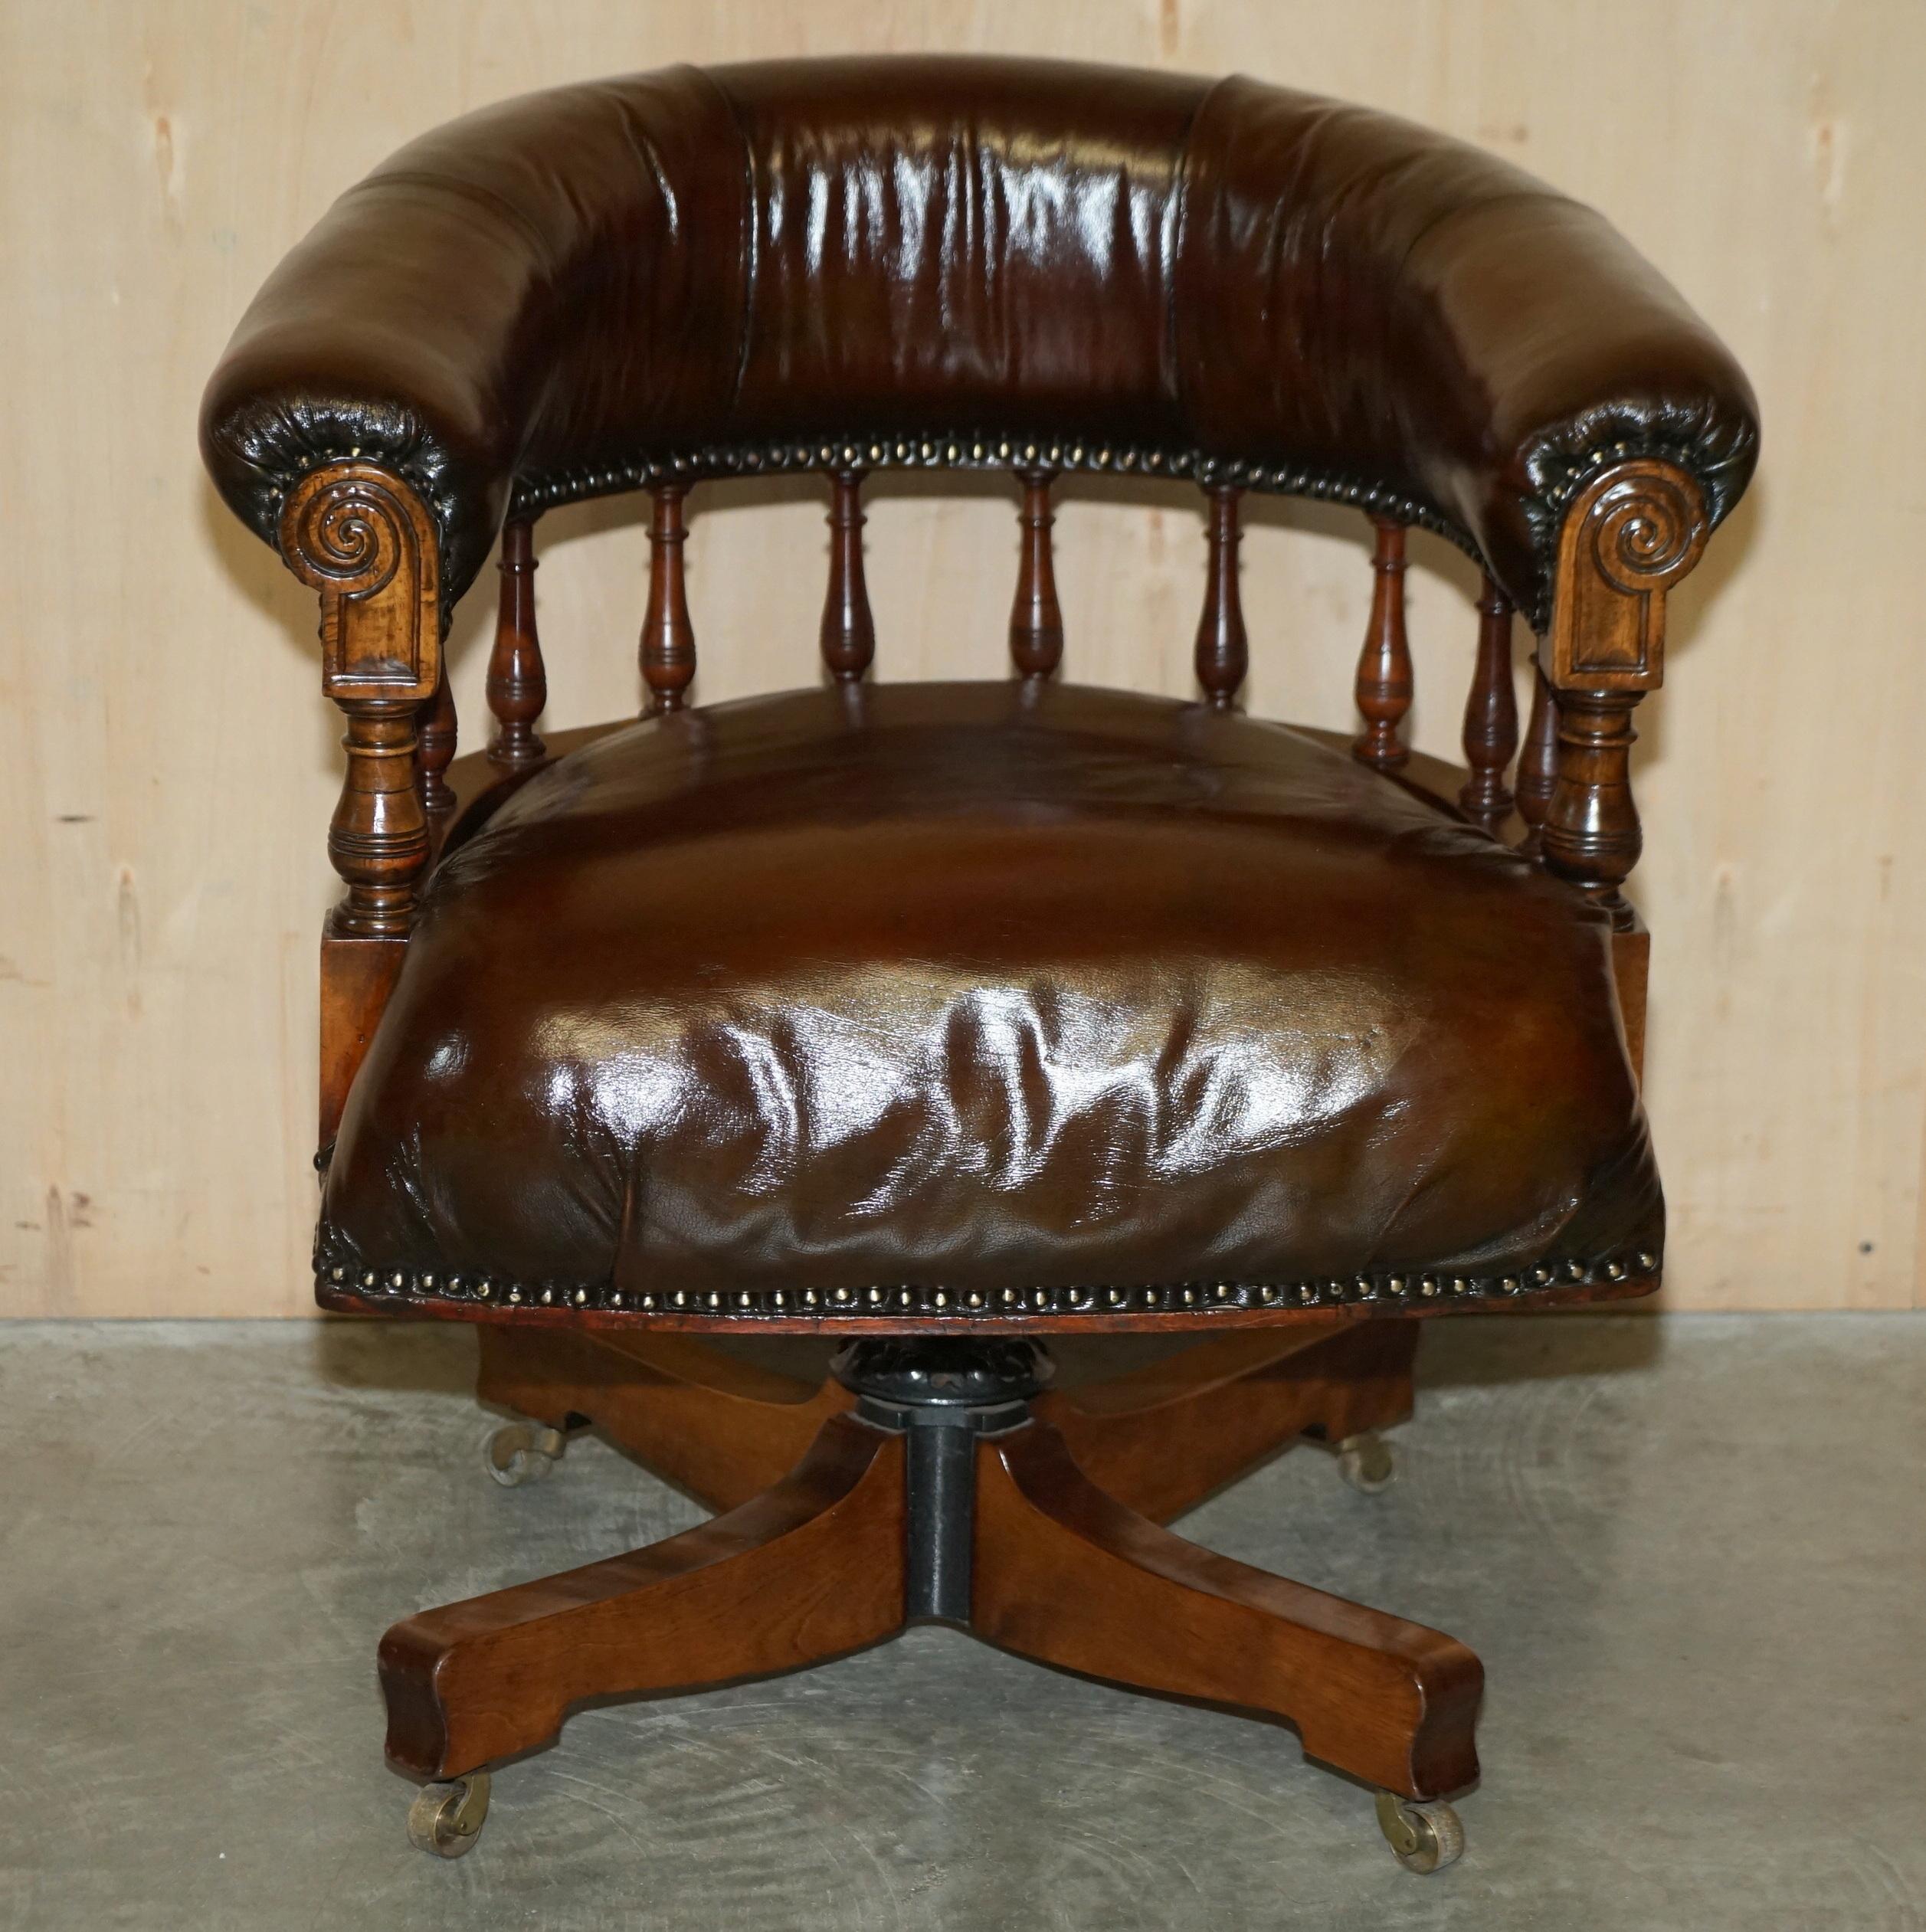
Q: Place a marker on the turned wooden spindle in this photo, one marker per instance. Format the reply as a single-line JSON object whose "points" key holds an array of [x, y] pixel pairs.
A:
{"points": [[668, 638], [1036, 622], [1223, 654], [1384, 665], [378, 839], [1538, 763], [1491, 712], [849, 633], [435, 733], [1591, 836], [518, 686]]}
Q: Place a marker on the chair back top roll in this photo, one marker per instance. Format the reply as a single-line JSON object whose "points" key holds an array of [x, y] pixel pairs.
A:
{"points": [[968, 260]]}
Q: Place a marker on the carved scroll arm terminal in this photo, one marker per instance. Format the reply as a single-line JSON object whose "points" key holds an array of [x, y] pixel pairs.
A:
{"points": [[1634, 530], [360, 537]]}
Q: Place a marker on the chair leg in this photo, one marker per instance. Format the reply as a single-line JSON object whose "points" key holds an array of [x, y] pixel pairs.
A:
{"points": [[718, 1427], [811, 1569], [1161, 1438], [1065, 1574]]}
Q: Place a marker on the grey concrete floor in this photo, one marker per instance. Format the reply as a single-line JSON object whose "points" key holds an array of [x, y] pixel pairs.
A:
{"points": [[1691, 1552]]}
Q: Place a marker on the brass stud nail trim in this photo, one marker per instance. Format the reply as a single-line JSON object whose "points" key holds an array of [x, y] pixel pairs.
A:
{"points": [[339, 1272]]}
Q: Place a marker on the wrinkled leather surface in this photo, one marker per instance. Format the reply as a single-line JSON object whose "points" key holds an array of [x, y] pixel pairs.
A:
{"points": [[565, 283], [977, 984]]}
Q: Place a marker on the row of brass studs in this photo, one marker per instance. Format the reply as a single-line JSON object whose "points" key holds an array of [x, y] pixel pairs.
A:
{"points": [[1574, 470], [534, 494], [1402, 1289], [537, 493]]}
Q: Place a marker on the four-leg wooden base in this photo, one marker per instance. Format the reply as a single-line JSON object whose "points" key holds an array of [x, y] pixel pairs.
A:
{"points": [[1066, 1565]]}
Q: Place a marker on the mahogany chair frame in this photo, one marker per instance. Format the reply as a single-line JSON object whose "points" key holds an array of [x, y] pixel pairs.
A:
{"points": [[1035, 1519]]}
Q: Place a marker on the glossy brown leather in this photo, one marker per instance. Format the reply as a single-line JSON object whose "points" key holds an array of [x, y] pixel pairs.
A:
{"points": [[544, 297], [978, 984]]}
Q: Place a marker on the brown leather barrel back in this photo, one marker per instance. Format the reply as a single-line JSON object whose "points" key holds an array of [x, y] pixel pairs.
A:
{"points": [[711, 272]]}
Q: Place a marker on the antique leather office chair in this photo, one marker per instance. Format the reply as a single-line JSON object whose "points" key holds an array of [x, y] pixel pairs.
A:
{"points": [[947, 1020]]}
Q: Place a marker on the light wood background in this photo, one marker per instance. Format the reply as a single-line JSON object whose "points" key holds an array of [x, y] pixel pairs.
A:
{"points": [[167, 766]]}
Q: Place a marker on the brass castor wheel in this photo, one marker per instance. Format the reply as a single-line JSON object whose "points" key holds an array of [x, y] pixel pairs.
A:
{"points": [[1423, 1837], [447, 1818], [1365, 1462], [522, 1451]]}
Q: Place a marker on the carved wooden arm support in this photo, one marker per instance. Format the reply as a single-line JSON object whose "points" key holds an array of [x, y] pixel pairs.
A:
{"points": [[361, 537], [1630, 535]]}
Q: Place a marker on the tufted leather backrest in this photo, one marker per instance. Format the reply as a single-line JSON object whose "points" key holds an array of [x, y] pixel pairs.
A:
{"points": [[713, 271]]}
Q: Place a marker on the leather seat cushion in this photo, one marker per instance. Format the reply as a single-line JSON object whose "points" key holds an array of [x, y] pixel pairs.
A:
{"points": [[980, 985]]}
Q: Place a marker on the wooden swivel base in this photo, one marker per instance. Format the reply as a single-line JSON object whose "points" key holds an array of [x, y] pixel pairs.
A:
{"points": [[940, 1480]]}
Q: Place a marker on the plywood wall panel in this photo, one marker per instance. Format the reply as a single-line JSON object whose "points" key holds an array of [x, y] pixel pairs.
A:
{"points": [[167, 766]]}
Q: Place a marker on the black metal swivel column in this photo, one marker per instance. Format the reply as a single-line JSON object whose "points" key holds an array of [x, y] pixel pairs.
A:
{"points": [[942, 1395]]}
